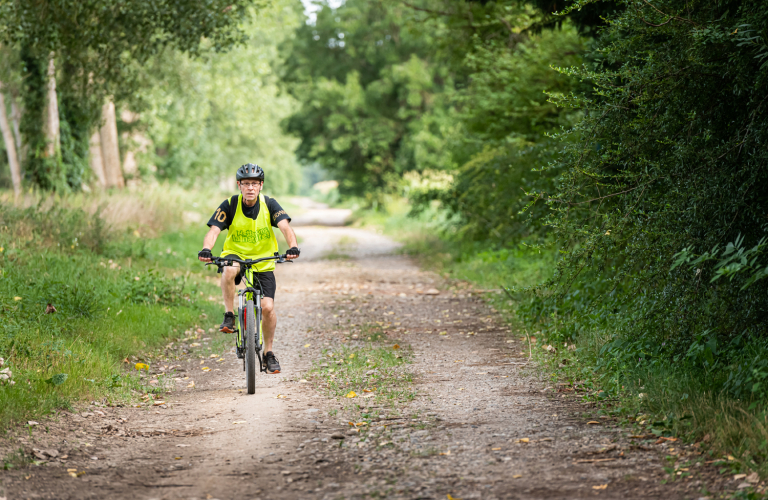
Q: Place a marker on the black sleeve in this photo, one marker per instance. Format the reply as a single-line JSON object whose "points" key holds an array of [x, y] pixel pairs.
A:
{"points": [[276, 212], [221, 217]]}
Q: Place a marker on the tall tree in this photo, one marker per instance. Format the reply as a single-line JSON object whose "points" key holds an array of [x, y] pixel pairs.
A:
{"points": [[10, 145], [110, 151], [208, 115], [367, 83], [96, 161], [99, 44], [51, 125]]}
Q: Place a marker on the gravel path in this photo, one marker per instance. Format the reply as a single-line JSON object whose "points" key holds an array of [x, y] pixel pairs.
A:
{"points": [[480, 425]]}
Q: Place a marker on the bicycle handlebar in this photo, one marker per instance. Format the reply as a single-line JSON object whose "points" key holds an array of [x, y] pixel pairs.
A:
{"points": [[223, 262]]}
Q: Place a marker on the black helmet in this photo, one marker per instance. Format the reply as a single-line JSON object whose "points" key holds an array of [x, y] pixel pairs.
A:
{"points": [[250, 171]]}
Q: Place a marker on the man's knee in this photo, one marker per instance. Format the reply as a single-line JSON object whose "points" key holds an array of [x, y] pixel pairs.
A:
{"points": [[230, 273], [267, 306]]}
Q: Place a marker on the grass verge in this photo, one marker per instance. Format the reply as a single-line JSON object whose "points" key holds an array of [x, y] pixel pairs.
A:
{"points": [[369, 371], [78, 298]]}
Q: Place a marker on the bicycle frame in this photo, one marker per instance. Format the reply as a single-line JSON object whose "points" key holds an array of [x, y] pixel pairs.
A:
{"points": [[255, 294]]}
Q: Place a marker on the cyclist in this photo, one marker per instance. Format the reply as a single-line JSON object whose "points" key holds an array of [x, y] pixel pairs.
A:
{"points": [[248, 217]]}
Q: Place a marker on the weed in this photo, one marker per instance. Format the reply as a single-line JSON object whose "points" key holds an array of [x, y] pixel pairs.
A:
{"points": [[378, 371], [373, 332], [16, 460]]}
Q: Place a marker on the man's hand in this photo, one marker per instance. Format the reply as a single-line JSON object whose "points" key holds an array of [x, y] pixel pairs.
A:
{"points": [[204, 255], [292, 253]]}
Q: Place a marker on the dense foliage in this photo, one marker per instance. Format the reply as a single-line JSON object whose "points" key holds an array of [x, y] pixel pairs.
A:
{"points": [[631, 133], [445, 99], [671, 155], [205, 109], [208, 115], [373, 99]]}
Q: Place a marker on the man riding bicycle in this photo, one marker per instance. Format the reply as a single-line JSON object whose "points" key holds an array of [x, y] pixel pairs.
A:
{"points": [[249, 218]]}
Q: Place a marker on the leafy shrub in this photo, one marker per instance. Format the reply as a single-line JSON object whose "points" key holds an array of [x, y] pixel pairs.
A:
{"points": [[153, 287], [670, 156]]}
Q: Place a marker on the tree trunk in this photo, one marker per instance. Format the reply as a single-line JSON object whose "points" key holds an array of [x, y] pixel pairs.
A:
{"points": [[16, 120], [110, 152], [51, 114], [10, 146], [96, 161]]}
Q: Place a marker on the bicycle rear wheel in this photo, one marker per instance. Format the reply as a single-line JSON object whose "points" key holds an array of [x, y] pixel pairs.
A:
{"points": [[250, 346]]}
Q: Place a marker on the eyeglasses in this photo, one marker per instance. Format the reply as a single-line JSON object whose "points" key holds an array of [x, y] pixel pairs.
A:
{"points": [[250, 185]]}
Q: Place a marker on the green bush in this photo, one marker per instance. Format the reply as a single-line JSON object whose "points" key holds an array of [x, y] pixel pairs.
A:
{"points": [[670, 156]]}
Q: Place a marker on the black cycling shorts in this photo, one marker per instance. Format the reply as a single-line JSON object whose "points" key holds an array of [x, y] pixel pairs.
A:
{"points": [[266, 281]]}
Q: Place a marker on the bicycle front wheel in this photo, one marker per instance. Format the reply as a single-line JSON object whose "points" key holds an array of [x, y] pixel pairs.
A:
{"points": [[250, 346]]}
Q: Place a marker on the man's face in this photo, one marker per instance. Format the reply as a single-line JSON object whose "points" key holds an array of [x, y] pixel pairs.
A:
{"points": [[250, 188]]}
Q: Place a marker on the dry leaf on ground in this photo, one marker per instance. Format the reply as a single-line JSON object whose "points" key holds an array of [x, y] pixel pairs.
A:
{"points": [[662, 439], [601, 487], [523, 440]]}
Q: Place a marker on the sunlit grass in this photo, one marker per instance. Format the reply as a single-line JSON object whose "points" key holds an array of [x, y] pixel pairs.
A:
{"points": [[69, 317], [375, 371]]}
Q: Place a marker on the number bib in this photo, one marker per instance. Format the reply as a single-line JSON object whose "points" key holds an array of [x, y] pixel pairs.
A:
{"points": [[252, 239]]}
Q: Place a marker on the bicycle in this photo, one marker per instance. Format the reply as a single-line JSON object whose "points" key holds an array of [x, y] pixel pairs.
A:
{"points": [[249, 338]]}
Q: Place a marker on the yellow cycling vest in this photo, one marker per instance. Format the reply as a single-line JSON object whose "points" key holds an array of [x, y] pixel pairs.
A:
{"points": [[252, 239]]}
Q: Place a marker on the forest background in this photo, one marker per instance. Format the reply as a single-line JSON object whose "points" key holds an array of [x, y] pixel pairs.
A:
{"points": [[601, 163]]}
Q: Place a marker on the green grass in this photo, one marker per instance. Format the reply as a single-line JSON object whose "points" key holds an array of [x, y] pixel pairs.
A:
{"points": [[17, 459], [112, 302], [379, 369]]}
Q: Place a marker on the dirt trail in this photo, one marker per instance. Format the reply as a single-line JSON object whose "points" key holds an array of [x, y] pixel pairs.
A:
{"points": [[463, 435]]}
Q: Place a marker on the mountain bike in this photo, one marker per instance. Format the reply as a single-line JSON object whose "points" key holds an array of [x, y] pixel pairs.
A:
{"points": [[249, 338]]}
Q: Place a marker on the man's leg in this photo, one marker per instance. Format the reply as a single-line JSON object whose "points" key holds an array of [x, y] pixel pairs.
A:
{"points": [[228, 276], [228, 286], [268, 321]]}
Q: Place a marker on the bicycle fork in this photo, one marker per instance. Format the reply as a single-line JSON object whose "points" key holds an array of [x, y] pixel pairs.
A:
{"points": [[241, 302]]}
